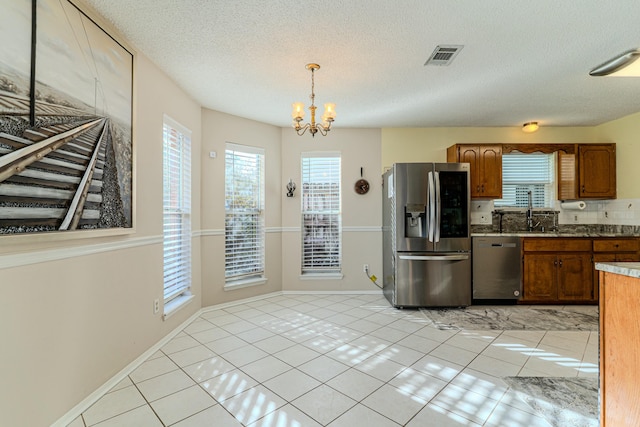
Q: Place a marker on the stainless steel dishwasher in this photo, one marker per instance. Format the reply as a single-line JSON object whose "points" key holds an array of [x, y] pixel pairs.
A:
{"points": [[497, 268]]}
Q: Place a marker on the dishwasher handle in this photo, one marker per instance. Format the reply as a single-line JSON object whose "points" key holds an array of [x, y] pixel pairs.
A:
{"points": [[497, 245], [455, 257]]}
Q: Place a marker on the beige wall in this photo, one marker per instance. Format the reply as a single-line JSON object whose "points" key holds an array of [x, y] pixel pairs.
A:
{"points": [[69, 325], [430, 144], [217, 129], [625, 132], [361, 214]]}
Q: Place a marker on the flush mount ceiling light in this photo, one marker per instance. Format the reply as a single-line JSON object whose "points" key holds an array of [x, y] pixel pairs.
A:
{"points": [[530, 127], [624, 65], [298, 112]]}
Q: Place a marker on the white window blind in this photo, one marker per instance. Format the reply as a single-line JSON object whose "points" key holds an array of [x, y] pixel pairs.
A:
{"points": [[244, 212], [321, 213], [522, 173], [176, 197]]}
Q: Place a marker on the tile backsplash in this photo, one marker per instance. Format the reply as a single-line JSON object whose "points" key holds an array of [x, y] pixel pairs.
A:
{"points": [[600, 212]]}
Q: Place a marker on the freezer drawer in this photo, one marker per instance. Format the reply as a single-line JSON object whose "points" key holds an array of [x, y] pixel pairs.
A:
{"points": [[432, 279]]}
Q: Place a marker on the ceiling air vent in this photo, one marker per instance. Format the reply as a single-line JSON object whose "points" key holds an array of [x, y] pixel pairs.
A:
{"points": [[443, 54]]}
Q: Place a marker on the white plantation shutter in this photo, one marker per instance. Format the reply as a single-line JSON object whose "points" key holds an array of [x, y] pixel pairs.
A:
{"points": [[176, 197], [321, 213], [522, 173], [244, 212]]}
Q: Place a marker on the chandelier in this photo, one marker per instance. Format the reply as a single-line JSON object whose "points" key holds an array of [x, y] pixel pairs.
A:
{"points": [[298, 112]]}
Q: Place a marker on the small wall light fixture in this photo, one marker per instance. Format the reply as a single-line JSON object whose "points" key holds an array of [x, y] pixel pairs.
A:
{"points": [[625, 64], [291, 187], [530, 127]]}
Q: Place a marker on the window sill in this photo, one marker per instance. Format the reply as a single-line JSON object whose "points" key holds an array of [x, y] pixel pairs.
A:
{"points": [[322, 276], [173, 306], [239, 284]]}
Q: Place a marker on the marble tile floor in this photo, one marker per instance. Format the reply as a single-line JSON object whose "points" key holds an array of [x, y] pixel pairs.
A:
{"points": [[340, 360]]}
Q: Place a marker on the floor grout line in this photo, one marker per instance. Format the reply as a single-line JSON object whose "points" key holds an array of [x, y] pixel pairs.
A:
{"points": [[288, 322]]}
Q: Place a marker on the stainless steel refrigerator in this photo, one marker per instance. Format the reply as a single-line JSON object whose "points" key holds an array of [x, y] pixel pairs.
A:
{"points": [[426, 240]]}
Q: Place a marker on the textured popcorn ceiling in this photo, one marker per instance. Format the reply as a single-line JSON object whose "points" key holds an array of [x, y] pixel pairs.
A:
{"points": [[522, 60]]}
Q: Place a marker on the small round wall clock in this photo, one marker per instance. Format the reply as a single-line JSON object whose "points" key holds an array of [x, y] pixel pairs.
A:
{"points": [[362, 186]]}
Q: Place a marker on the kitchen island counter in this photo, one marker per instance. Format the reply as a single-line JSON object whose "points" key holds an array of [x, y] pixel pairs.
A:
{"points": [[630, 269]]}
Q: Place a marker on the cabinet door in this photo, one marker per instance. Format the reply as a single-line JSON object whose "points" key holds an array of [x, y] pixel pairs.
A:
{"points": [[540, 277], [567, 176], [470, 154], [597, 166], [575, 277], [490, 171]]}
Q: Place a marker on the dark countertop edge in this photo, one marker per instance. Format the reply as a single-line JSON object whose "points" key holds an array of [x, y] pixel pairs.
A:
{"points": [[527, 234], [630, 269]]}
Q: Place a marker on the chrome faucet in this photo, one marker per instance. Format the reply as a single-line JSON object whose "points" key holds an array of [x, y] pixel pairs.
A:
{"points": [[530, 212]]}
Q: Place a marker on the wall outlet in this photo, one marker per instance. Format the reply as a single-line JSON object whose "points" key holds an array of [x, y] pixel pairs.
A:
{"points": [[365, 268], [575, 218], [156, 306], [485, 219]]}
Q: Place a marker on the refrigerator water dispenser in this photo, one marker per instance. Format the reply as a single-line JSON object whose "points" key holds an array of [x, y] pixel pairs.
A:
{"points": [[415, 216]]}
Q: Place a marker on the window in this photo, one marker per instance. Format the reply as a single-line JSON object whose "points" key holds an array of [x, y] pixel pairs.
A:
{"points": [[321, 216], [244, 212], [522, 173], [176, 220]]}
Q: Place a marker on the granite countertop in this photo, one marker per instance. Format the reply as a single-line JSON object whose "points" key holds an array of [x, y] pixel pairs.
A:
{"points": [[631, 269], [549, 234]]}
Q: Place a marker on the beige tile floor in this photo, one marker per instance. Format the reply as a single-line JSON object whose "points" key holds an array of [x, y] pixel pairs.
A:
{"points": [[336, 360]]}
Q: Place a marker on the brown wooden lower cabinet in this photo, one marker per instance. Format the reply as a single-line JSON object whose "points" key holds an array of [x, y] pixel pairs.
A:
{"points": [[562, 270], [619, 249], [564, 277], [557, 270]]}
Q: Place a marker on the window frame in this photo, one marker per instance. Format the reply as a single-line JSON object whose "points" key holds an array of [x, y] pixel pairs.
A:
{"points": [[334, 269], [249, 156], [543, 187], [176, 208]]}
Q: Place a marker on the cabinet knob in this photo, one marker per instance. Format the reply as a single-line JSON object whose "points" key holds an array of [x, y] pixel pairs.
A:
{"points": [[583, 188], [560, 263]]}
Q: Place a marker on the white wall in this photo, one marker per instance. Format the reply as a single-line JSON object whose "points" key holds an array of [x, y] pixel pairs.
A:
{"points": [[361, 214], [70, 324]]}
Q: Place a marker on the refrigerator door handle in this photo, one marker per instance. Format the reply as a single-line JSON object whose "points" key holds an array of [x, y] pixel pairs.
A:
{"points": [[437, 206], [455, 257], [432, 206]]}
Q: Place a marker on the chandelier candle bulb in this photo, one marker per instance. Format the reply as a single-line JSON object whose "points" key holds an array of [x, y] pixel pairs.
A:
{"points": [[298, 111], [330, 110]]}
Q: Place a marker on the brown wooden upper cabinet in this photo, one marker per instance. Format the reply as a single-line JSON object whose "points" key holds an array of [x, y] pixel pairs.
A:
{"points": [[485, 168], [587, 173], [597, 171]]}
